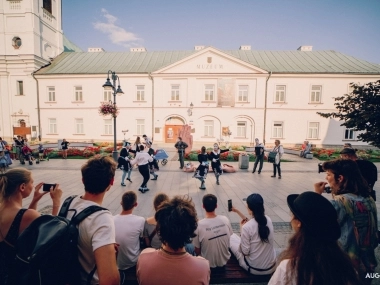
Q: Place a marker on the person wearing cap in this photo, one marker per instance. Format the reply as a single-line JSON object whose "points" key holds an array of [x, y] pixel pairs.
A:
{"points": [[254, 249], [356, 212], [367, 168], [276, 164], [313, 255], [259, 152], [124, 164]]}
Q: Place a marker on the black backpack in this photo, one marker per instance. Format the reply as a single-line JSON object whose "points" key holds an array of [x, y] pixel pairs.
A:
{"points": [[47, 251]]}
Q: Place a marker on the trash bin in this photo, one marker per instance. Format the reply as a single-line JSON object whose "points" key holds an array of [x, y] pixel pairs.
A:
{"points": [[243, 161]]}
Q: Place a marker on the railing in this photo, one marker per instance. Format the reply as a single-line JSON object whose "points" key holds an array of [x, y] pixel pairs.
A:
{"points": [[15, 5]]}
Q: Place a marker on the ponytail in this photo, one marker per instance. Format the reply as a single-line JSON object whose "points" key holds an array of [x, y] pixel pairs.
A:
{"points": [[11, 180], [258, 213]]}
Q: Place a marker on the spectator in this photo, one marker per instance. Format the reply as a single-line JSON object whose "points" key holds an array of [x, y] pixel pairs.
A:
{"points": [[347, 145], [3, 162], [17, 143], [259, 152], [136, 145], [213, 234], [181, 146], [65, 146], [303, 147], [129, 228], [176, 223], [15, 185], [276, 164], [96, 241], [357, 214], [2, 144], [150, 233], [307, 149], [313, 256]]}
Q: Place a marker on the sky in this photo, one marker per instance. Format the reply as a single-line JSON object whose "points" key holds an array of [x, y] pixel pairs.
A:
{"points": [[348, 26]]}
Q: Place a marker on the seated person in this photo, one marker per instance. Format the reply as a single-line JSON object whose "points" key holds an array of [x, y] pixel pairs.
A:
{"points": [[128, 228], [213, 234], [255, 248], [307, 149], [176, 223]]}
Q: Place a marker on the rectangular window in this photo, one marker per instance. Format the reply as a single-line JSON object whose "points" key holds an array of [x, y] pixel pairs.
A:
{"points": [[107, 95], [243, 93], [209, 129], [46, 4], [52, 126], [140, 93], [78, 93], [51, 94], [108, 127], [349, 134], [313, 130], [79, 128], [278, 130], [280, 93], [315, 95], [140, 128], [209, 92], [241, 129], [175, 93], [20, 88]]}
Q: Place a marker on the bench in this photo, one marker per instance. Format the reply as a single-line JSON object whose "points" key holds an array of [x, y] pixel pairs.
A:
{"points": [[232, 273]]}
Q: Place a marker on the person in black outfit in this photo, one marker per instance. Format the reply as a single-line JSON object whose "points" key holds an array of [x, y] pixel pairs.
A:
{"points": [[152, 165], [142, 159], [214, 156], [181, 146], [18, 145], [259, 152], [367, 168], [65, 147], [124, 164], [202, 169]]}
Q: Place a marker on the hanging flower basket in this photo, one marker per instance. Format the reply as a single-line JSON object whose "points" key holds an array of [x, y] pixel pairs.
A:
{"points": [[108, 108]]}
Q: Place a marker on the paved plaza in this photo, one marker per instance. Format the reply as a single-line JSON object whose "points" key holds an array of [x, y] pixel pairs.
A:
{"points": [[297, 176]]}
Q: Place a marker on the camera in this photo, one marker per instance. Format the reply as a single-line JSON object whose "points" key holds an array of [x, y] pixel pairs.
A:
{"points": [[320, 169], [327, 189]]}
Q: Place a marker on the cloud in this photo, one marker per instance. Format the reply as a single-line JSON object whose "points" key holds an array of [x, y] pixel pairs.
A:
{"points": [[116, 34]]}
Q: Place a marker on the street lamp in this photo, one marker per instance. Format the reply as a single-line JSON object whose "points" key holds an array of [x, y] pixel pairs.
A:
{"points": [[190, 110], [112, 86]]}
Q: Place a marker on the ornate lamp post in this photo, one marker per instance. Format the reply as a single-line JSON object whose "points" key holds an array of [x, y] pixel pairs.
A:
{"points": [[112, 86]]}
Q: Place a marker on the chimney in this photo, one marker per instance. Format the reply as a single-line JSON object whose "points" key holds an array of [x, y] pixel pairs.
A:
{"points": [[245, 48], [199, 47], [95, 50], [305, 48], [139, 49]]}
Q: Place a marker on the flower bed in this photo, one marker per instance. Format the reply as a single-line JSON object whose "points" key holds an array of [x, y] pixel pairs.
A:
{"points": [[329, 154]]}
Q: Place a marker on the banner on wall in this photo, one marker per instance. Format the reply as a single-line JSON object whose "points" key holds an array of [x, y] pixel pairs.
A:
{"points": [[226, 92]]}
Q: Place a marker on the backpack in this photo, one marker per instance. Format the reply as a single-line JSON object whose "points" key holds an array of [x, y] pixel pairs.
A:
{"points": [[47, 251]]}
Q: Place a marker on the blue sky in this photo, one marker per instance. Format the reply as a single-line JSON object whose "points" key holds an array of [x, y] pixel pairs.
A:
{"points": [[347, 26]]}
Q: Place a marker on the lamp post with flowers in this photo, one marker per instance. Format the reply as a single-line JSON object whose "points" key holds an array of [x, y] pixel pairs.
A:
{"points": [[110, 108]]}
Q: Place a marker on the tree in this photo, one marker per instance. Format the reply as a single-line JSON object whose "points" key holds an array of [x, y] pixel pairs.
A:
{"points": [[360, 111]]}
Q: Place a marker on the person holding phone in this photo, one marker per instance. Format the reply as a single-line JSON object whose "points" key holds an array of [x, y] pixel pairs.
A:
{"points": [[15, 185]]}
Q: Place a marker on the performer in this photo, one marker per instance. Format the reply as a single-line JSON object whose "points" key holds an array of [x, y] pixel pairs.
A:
{"points": [[152, 165], [136, 145], [147, 140], [142, 159], [124, 164], [202, 169], [214, 156]]}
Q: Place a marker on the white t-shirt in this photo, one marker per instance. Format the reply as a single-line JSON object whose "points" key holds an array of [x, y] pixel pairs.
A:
{"points": [[129, 228], [279, 276], [213, 238], [258, 254], [95, 231]]}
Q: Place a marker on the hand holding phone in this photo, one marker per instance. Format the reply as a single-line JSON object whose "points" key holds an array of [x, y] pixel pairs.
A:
{"points": [[229, 205], [46, 187]]}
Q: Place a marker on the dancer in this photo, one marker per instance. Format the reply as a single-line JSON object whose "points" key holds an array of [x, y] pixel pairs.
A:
{"points": [[136, 145], [147, 140], [181, 146], [202, 169], [152, 165], [214, 156], [124, 164], [142, 159]]}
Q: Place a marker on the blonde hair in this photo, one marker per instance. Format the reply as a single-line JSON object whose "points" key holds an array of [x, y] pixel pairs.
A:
{"points": [[11, 180], [159, 199]]}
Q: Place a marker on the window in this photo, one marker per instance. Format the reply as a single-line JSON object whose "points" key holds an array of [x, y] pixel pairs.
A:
{"points": [[47, 5], [140, 126], [315, 95], [241, 129], [140, 93], [175, 93], [349, 134], [78, 93], [51, 94], [209, 92], [79, 128], [243, 93], [108, 127], [277, 130], [52, 126], [313, 130], [280, 93], [20, 88], [107, 95], [209, 129]]}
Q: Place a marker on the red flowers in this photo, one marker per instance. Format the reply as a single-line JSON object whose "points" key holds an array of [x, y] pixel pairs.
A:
{"points": [[108, 108]]}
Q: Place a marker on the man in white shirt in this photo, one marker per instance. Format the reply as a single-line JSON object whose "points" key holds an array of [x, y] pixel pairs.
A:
{"points": [[142, 159], [129, 228], [213, 234], [96, 241]]}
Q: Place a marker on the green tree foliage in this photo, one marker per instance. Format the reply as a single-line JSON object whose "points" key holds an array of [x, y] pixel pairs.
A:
{"points": [[360, 111]]}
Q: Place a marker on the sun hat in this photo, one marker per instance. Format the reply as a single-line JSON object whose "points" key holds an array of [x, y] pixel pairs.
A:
{"points": [[316, 214]]}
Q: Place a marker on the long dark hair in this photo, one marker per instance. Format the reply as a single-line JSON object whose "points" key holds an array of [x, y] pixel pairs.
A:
{"points": [[315, 261], [259, 215]]}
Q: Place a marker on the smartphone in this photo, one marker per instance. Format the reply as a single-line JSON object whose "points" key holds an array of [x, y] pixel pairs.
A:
{"points": [[229, 205], [46, 187]]}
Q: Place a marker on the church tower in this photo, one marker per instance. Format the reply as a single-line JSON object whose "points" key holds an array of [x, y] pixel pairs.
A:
{"points": [[30, 37]]}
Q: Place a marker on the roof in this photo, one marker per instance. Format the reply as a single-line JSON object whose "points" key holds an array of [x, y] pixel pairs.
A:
{"points": [[326, 62], [69, 46]]}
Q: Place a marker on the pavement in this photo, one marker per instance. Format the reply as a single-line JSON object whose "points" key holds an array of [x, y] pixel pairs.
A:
{"points": [[298, 176]]}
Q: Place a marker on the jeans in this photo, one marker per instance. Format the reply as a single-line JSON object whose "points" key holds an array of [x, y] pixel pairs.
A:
{"points": [[276, 166], [261, 159], [125, 174], [144, 171], [181, 160]]}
